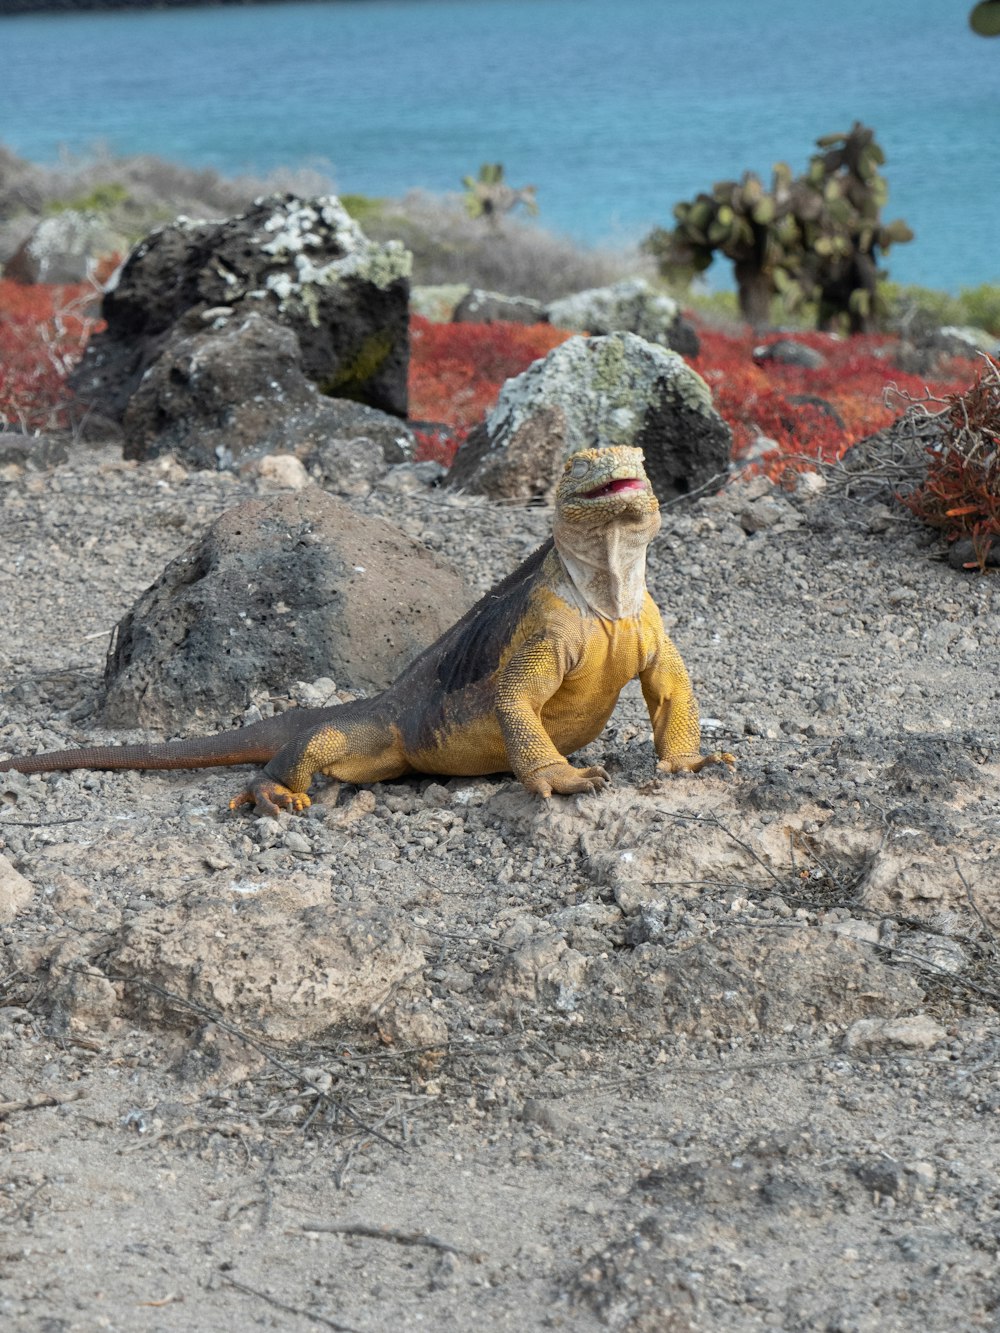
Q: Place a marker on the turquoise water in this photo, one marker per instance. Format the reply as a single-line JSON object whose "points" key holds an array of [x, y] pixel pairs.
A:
{"points": [[614, 110]]}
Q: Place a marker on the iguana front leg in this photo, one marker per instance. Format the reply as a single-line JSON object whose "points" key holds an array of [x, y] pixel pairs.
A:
{"points": [[529, 679], [673, 709]]}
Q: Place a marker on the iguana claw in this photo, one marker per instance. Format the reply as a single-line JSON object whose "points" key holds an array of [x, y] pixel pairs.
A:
{"points": [[565, 780], [269, 798]]}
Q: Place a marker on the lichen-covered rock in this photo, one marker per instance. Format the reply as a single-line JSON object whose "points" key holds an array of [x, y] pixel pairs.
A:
{"points": [[292, 587], [437, 302], [479, 307], [64, 248], [303, 263], [215, 396], [589, 393], [631, 306]]}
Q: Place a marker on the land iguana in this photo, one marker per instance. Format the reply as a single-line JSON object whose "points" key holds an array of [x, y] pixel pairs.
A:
{"points": [[529, 675]]}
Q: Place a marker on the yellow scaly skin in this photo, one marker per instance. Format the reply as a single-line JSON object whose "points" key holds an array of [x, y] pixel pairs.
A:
{"points": [[528, 676]]}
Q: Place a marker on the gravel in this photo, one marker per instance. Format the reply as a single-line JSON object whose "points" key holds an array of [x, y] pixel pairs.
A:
{"points": [[704, 1053]]}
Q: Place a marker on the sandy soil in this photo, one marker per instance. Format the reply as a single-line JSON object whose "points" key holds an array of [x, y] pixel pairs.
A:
{"points": [[712, 1053]]}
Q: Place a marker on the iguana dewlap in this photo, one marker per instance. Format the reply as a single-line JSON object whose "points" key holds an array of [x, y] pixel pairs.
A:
{"points": [[529, 675]]}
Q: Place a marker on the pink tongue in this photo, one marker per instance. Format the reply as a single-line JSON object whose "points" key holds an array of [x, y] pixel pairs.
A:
{"points": [[613, 487]]}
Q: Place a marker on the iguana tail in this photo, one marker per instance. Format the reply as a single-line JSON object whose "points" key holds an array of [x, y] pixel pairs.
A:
{"points": [[255, 744]]}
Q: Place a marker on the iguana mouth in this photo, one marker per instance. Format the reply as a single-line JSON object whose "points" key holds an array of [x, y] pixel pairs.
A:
{"points": [[615, 487]]}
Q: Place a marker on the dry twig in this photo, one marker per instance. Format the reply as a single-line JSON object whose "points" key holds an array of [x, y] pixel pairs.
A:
{"points": [[288, 1309], [390, 1234], [39, 1100]]}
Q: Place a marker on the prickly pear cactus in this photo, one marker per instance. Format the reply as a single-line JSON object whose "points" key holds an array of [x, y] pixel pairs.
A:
{"points": [[816, 236]]}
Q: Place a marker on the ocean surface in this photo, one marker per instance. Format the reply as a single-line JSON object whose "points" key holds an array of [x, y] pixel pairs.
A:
{"points": [[614, 109]]}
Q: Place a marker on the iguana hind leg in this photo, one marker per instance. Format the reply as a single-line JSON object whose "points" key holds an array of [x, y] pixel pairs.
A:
{"points": [[361, 752]]}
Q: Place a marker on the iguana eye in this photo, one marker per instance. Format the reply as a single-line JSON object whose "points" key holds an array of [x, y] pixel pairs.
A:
{"points": [[580, 468]]}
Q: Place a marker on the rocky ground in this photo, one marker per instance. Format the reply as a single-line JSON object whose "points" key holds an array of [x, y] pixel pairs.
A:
{"points": [[708, 1053]]}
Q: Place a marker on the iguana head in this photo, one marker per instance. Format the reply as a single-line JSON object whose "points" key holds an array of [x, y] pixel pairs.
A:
{"points": [[602, 486], [606, 515]]}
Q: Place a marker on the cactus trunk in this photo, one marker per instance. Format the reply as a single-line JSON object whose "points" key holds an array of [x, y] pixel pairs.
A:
{"points": [[849, 289], [755, 290]]}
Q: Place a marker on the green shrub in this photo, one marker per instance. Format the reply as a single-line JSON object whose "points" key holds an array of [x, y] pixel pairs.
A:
{"points": [[982, 306], [363, 208], [103, 198], [909, 307], [721, 306]]}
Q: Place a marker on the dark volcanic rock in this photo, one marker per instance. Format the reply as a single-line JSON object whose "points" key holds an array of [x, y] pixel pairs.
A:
{"points": [[302, 263], [820, 404], [962, 555], [524, 467], [288, 588], [344, 420], [214, 396], [926, 349], [789, 352], [589, 393]]}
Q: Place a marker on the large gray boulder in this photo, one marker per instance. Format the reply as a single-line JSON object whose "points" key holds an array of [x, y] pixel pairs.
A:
{"points": [[589, 393], [288, 588], [630, 306], [238, 390], [303, 263]]}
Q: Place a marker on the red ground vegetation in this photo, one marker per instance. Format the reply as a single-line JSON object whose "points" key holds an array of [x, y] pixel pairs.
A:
{"points": [[859, 389], [43, 331], [457, 370]]}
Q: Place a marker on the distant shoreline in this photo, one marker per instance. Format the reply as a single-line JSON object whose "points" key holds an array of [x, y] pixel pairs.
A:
{"points": [[17, 7], [383, 98]]}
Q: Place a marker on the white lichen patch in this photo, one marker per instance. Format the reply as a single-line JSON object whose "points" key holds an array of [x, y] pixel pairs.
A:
{"points": [[281, 284], [320, 245]]}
